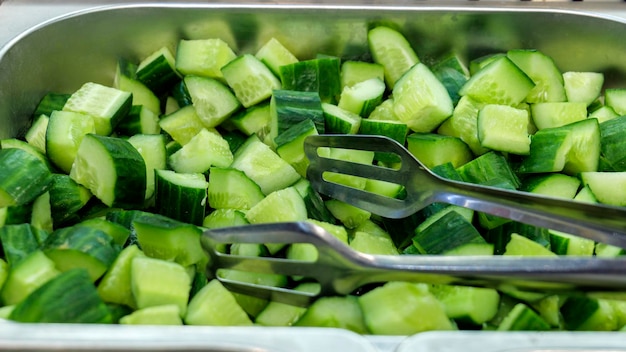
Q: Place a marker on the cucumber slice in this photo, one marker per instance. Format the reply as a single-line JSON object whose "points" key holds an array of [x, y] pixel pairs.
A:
{"points": [[203, 57], [279, 206], [158, 72], [214, 305], [156, 282], [433, 149], [263, 166], [107, 106], [81, 247], [126, 80], [250, 79], [420, 100], [68, 298], [290, 145], [616, 99], [463, 124], [118, 233], [204, 150], [289, 107], [340, 120], [448, 233], [65, 132], [224, 217], [18, 242], [182, 124], [583, 87], [232, 189], [51, 102], [491, 169], [607, 187], [9, 143], [384, 111], [36, 134], [613, 142], [566, 244], [554, 185], [353, 72], [274, 54], [214, 102], [393, 51], [362, 97], [24, 278], [582, 313], [320, 75], [499, 82], [373, 243], [335, 312], [350, 216], [152, 150], [167, 314], [603, 113], [402, 308], [163, 238], [23, 177], [140, 120], [522, 246], [252, 120], [523, 318], [112, 169], [469, 305], [41, 216], [180, 196], [281, 314], [66, 198], [504, 128], [547, 115], [542, 69]]}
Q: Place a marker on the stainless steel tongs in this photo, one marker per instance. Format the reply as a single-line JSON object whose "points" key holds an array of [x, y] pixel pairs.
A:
{"points": [[601, 223], [339, 269]]}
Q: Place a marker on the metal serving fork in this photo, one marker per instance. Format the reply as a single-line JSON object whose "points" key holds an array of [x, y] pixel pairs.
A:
{"points": [[340, 270], [600, 223]]}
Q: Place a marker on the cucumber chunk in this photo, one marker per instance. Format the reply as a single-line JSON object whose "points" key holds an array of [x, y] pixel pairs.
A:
{"points": [[167, 314], [107, 106], [181, 196], [231, 189], [393, 51], [499, 82], [504, 128], [214, 101], [420, 100], [156, 282], [250, 79], [67, 298], [205, 149], [216, 306], [23, 177], [335, 312], [542, 69], [112, 169], [24, 278], [274, 54], [203, 57], [401, 308]]}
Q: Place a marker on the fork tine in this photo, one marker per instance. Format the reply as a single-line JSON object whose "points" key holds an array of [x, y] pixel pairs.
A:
{"points": [[277, 294]]}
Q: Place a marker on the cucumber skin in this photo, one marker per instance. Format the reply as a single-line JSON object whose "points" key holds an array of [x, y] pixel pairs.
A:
{"points": [[70, 297], [23, 177]]}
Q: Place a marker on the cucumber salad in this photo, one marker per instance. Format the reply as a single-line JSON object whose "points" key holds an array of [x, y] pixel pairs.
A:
{"points": [[104, 199]]}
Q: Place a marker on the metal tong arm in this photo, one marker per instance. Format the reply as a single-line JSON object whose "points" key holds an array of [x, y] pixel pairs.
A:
{"points": [[346, 269], [601, 223]]}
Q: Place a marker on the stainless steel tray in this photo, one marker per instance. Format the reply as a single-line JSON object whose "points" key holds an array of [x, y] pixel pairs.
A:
{"points": [[42, 52]]}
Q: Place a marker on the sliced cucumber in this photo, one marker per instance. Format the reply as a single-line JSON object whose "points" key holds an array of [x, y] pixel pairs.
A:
{"points": [[583, 87], [158, 71], [263, 166], [607, 187], [250, 79], [504, 128], [23, 177], [547, 115], [231, 189], [362, 97], [214, 305], [335, 312], [320, 75], [420, 100], [498, 82], [156, 282], [353, 72], [544, 73], [434, 149], [214, 102], [140, 120], [107, 106], [340, 120], [181, 196], [24, 278], [68, 298], [182, 124], [274, 54], [65, 132], [203, 57], [463, 124], [152, 150], [393, 51], [36, 134], [112, 169], [203, 150]]}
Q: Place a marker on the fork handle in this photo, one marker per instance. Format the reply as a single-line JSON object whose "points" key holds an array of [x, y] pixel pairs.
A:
{"points": [[599, 223], [544, 274]]}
